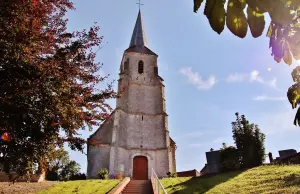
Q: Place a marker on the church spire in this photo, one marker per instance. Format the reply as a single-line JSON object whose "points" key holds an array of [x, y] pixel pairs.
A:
{"points": [[138, 38]]}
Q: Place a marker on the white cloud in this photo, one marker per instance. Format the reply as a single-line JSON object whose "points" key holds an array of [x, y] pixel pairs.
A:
{"points": [[272, 83], [269, 98], [254, 76], [236, 78], [195, 79]]}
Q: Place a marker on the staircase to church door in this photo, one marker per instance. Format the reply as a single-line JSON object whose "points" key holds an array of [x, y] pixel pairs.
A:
{"points": [[138, 187]]}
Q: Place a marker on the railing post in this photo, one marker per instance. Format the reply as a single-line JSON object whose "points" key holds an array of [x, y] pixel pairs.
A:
{"points": [[158, 186], [157, 183]]}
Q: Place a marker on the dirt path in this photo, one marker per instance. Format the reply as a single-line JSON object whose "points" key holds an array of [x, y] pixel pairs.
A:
{"points": [[24, 188]]}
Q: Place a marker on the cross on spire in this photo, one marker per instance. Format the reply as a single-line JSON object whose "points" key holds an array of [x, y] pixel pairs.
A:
{"points": [[139, 3]]}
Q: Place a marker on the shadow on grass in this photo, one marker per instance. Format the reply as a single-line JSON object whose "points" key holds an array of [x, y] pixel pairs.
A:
{"points": [[201, 184], [291, 180]]}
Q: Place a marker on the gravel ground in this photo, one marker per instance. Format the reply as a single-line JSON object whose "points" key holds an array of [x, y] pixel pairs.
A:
{"points": [[24, 188]]}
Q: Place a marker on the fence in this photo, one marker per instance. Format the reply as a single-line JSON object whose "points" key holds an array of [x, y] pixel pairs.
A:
{"points": [[156, 184]]}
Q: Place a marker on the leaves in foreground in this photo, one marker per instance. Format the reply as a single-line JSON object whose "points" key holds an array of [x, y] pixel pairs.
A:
{"points": [[283, 30], [49, 82]]}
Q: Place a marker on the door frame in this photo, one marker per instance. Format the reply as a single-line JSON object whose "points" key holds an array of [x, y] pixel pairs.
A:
{"points": [[149, 158], [145, 165]]}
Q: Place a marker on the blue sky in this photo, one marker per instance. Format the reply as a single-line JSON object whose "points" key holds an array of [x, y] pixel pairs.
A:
{"points": [[208, 77]]}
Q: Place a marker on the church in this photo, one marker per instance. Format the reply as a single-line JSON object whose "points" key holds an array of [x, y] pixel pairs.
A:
{"points": [[136, 134]]}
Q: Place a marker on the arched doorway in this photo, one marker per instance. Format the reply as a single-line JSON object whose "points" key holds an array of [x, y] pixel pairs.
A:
{"points": [[140, 168]]}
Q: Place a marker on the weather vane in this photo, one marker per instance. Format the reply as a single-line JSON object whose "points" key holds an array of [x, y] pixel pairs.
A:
{"points": [[139, 3]]}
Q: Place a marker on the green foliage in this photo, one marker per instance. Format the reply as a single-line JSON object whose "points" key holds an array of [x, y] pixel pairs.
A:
{"points": [[68, 170], [263, 179], [78, 176], [52, 176], [103, 173], [293, 94], [48, 79], [283, 29], [256, 22], [215, 13], [172, 174], [229, 158], [249, 141], [59, 165]]}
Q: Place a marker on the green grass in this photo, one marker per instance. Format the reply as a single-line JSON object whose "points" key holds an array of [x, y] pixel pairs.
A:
{"points": [[264, 179], [82, 187]]}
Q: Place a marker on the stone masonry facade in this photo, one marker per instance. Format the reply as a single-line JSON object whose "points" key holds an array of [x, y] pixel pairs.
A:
{"points": [[139, 124]]}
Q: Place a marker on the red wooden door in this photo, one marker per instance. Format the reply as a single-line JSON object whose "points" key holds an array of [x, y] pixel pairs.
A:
{"points": [[140, 168]]}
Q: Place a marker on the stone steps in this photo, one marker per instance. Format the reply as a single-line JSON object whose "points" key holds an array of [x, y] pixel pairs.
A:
{"points": [[138, 187]]}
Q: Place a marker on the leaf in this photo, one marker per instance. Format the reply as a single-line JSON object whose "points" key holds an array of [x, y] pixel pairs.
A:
{"points": [[287, 57], [197, 4], [294, 43], [296, 74], [217, 18], [209, 5], [293, 95], [270, 30], [236, 20], [297, 118], [277, 59], [280, 14], [256, 22], [294, 4], [260, 6], [277, 47]]}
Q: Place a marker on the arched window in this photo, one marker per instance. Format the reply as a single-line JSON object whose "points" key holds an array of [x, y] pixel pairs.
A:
{"points": [[141, 67], [126, 64], [156, 70]]}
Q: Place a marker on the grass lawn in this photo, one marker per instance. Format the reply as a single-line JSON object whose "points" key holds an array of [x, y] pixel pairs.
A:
{"points": [[82, 187], [264, 179]]}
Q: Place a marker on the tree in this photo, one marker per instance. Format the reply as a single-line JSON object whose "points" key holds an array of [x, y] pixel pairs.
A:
{"points": [[69, 170], [229, 158], [57, 159], [78, 176], [59, 165], [283, 31], [48, 82], [249, 141]]}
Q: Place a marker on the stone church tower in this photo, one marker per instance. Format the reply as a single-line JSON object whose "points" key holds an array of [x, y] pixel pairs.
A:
{"points": [[136, 134]]}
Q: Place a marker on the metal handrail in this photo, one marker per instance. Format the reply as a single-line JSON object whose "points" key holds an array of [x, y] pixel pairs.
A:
{"points": [[157, 184]]}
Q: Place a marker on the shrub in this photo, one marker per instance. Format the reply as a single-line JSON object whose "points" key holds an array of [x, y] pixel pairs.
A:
{"points": [[172, 174], [79, 176], [52, 176], [229, 157], [103, 173]]}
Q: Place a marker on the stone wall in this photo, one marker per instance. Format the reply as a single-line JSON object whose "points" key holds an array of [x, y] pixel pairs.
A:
{"points": [[172, 156], [157, 159], [34, 178], [193, 173], [137, 130], [145, 92], [97, 155], [139, 125]]}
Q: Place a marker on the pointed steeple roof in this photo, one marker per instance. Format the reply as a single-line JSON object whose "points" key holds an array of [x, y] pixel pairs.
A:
{"points": [[138, 36], [138, 41]]}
